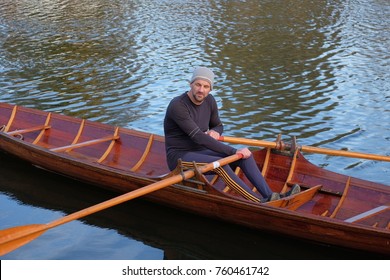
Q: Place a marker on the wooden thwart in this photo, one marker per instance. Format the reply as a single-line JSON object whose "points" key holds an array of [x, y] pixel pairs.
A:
{"points": [[85, 144], [27, 130]]}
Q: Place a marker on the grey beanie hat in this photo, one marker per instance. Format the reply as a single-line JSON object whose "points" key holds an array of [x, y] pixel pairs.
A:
{"points": [[205, 74]]}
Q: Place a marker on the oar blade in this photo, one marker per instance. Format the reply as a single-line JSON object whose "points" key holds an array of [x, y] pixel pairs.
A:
{"points": [[15, 237]]}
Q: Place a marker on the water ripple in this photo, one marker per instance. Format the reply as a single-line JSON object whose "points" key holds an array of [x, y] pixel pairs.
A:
{"points": [[318, 71]]}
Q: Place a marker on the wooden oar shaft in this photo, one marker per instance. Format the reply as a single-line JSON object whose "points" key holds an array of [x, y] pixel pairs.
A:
{"points": [[249, 142], [326, 151], [13, 238], [143, 191], [308, 149]]}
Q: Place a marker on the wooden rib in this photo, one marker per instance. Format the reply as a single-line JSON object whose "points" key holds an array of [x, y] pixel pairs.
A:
{"points": [[265, 165], [145, 154], [367, 214], [266, 162], [388, 225], [43, 131], [291, 172], [11, 119], [325, 213], [77, 137], [84, 144], [103, 157], [27, 130], [215, 178], [345, 192]]}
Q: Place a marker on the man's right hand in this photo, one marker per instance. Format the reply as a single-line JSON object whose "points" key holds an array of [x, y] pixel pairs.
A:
{"points": [[245, 152]]}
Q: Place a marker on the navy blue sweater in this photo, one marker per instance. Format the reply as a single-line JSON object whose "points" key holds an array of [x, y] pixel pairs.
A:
{"points": [[185, 125]]}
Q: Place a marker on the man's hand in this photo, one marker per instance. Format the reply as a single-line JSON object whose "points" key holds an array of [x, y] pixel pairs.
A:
{"points": [[213, 134], [246, 153]]}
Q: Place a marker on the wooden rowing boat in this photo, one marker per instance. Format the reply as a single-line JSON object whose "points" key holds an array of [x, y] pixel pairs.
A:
{"points": [[333, 208]]}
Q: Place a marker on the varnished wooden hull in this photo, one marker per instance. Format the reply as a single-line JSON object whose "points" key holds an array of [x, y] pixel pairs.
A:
{"points": [[125, 160]]}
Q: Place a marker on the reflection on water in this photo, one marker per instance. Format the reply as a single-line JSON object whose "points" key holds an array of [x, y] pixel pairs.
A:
{"points": [[318, 70]]}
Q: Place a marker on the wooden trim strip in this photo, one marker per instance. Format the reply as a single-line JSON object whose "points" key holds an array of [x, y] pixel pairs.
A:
{"points": [[11, 119], [145, 154], [291, 172], [84, 144], [346, 189], [27, 130], [367, 214], [107, 152], [43, 131]]}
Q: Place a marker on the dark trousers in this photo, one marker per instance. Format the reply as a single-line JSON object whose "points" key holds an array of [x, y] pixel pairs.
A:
{"points": [[248, 166]]}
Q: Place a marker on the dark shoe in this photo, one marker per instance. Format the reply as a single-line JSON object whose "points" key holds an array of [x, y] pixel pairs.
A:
{"points": [[274, 196], [294, 190]]}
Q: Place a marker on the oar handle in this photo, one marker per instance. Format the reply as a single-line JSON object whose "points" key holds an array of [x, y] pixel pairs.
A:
{"points": [[308, 149]]}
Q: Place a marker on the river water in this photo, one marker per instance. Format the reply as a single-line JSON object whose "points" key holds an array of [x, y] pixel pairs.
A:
{"points": [[317, 70]]}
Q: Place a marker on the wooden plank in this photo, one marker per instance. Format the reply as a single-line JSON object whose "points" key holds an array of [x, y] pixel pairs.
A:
{"points": [[293, 202], [85, 144]]}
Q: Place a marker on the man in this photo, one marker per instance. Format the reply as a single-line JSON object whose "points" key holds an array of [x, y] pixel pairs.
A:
{"points": [[192, 128]]}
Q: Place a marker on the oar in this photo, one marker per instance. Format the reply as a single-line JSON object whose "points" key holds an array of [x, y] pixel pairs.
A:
{"points": [[15, 237], [308, 149]]}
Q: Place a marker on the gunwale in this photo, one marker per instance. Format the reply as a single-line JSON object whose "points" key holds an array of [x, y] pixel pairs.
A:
{"points": [[310, 221]]}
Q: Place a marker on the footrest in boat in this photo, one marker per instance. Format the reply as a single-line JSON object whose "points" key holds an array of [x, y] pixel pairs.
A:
{"points": [[294, 201]]}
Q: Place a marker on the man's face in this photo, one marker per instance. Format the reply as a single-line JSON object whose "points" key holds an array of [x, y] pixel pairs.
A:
{"points": [[199, 90]]}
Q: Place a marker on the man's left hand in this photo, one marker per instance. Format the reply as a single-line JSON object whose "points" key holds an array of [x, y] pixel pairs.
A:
{"points": [[213, 134]]}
